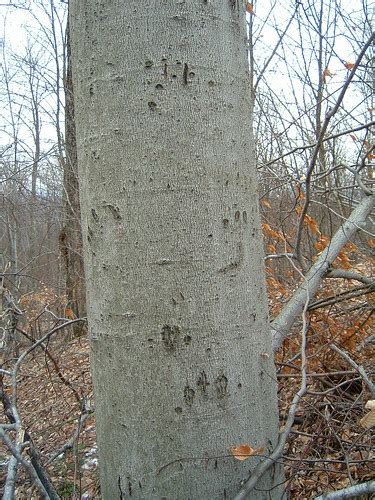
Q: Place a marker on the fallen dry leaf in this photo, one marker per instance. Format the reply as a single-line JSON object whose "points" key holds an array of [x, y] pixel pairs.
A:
{"points": [[244, 451], [369, 419]]}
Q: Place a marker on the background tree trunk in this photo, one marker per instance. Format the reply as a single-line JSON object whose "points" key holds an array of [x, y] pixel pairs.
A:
{"points": [[182, 358], [71, 234]]}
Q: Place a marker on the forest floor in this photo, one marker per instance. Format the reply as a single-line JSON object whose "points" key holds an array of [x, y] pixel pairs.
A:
{"points": [[329, 447]]}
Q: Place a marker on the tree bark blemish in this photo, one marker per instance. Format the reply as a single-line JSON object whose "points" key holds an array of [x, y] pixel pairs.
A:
{"points": [[152, 105], [120, 489], [189, 395], [149, 64], [203, 382], [187, 340], [221, 384], [164, 262], [169, 336], [225, 222], [244, 216], [90, 234], [185, 74], [159, 86], [114, 211], [130, 488], [165, 70], [236, 262], [178, 409], [237, 216], [94, 214]]}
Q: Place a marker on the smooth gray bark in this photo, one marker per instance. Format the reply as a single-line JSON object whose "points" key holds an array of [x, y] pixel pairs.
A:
{"points": [[181, 348]]}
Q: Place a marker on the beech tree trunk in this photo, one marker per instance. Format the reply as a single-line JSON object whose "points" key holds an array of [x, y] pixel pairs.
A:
{"points": [[181, 346]]}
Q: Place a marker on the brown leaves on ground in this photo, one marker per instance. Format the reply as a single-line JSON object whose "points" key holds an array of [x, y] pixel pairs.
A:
{"points": [[50, 413]]}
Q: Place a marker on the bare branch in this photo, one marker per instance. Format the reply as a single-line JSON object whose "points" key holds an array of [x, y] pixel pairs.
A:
{"points": [[352, 491], [283, 322], [357, 367]]}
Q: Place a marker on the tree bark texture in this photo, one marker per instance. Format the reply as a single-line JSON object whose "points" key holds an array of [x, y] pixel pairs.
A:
{"points": [[181, 347]]}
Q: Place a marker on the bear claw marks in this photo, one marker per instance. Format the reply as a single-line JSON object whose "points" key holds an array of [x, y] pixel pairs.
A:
{"points": [[169, 336], [189, 395], [219, 389], [221, 384]]}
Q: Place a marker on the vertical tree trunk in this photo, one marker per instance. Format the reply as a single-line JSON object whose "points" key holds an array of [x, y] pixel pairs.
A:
{"points": [[71, 235], [181, 348]]}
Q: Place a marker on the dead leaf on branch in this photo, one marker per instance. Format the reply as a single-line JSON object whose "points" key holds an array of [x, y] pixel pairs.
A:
{"points": [[266, 203], [348, 65], [369, 419], [244, 451], [250, 8], [327, 73]]}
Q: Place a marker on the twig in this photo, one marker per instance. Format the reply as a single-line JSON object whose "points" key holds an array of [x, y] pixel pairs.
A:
{"points": [[260, 76], [357, 367], [70, 443], [32, 450], [28, 466], [349, 275], [282, 324], [315, 153], [328, 138], [340, 297], [352, 491]]}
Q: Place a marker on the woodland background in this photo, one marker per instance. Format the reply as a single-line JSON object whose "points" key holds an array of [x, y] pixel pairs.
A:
{"points": [[312, 65]]}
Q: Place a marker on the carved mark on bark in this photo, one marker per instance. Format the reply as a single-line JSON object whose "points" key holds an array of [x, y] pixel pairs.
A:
{"points": [[120, 489], [203, 382], [236, 262], [185, 74], [187, 340], [114, 211], [221, 384], [169, 336], [90, 234], [189, 395]]}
